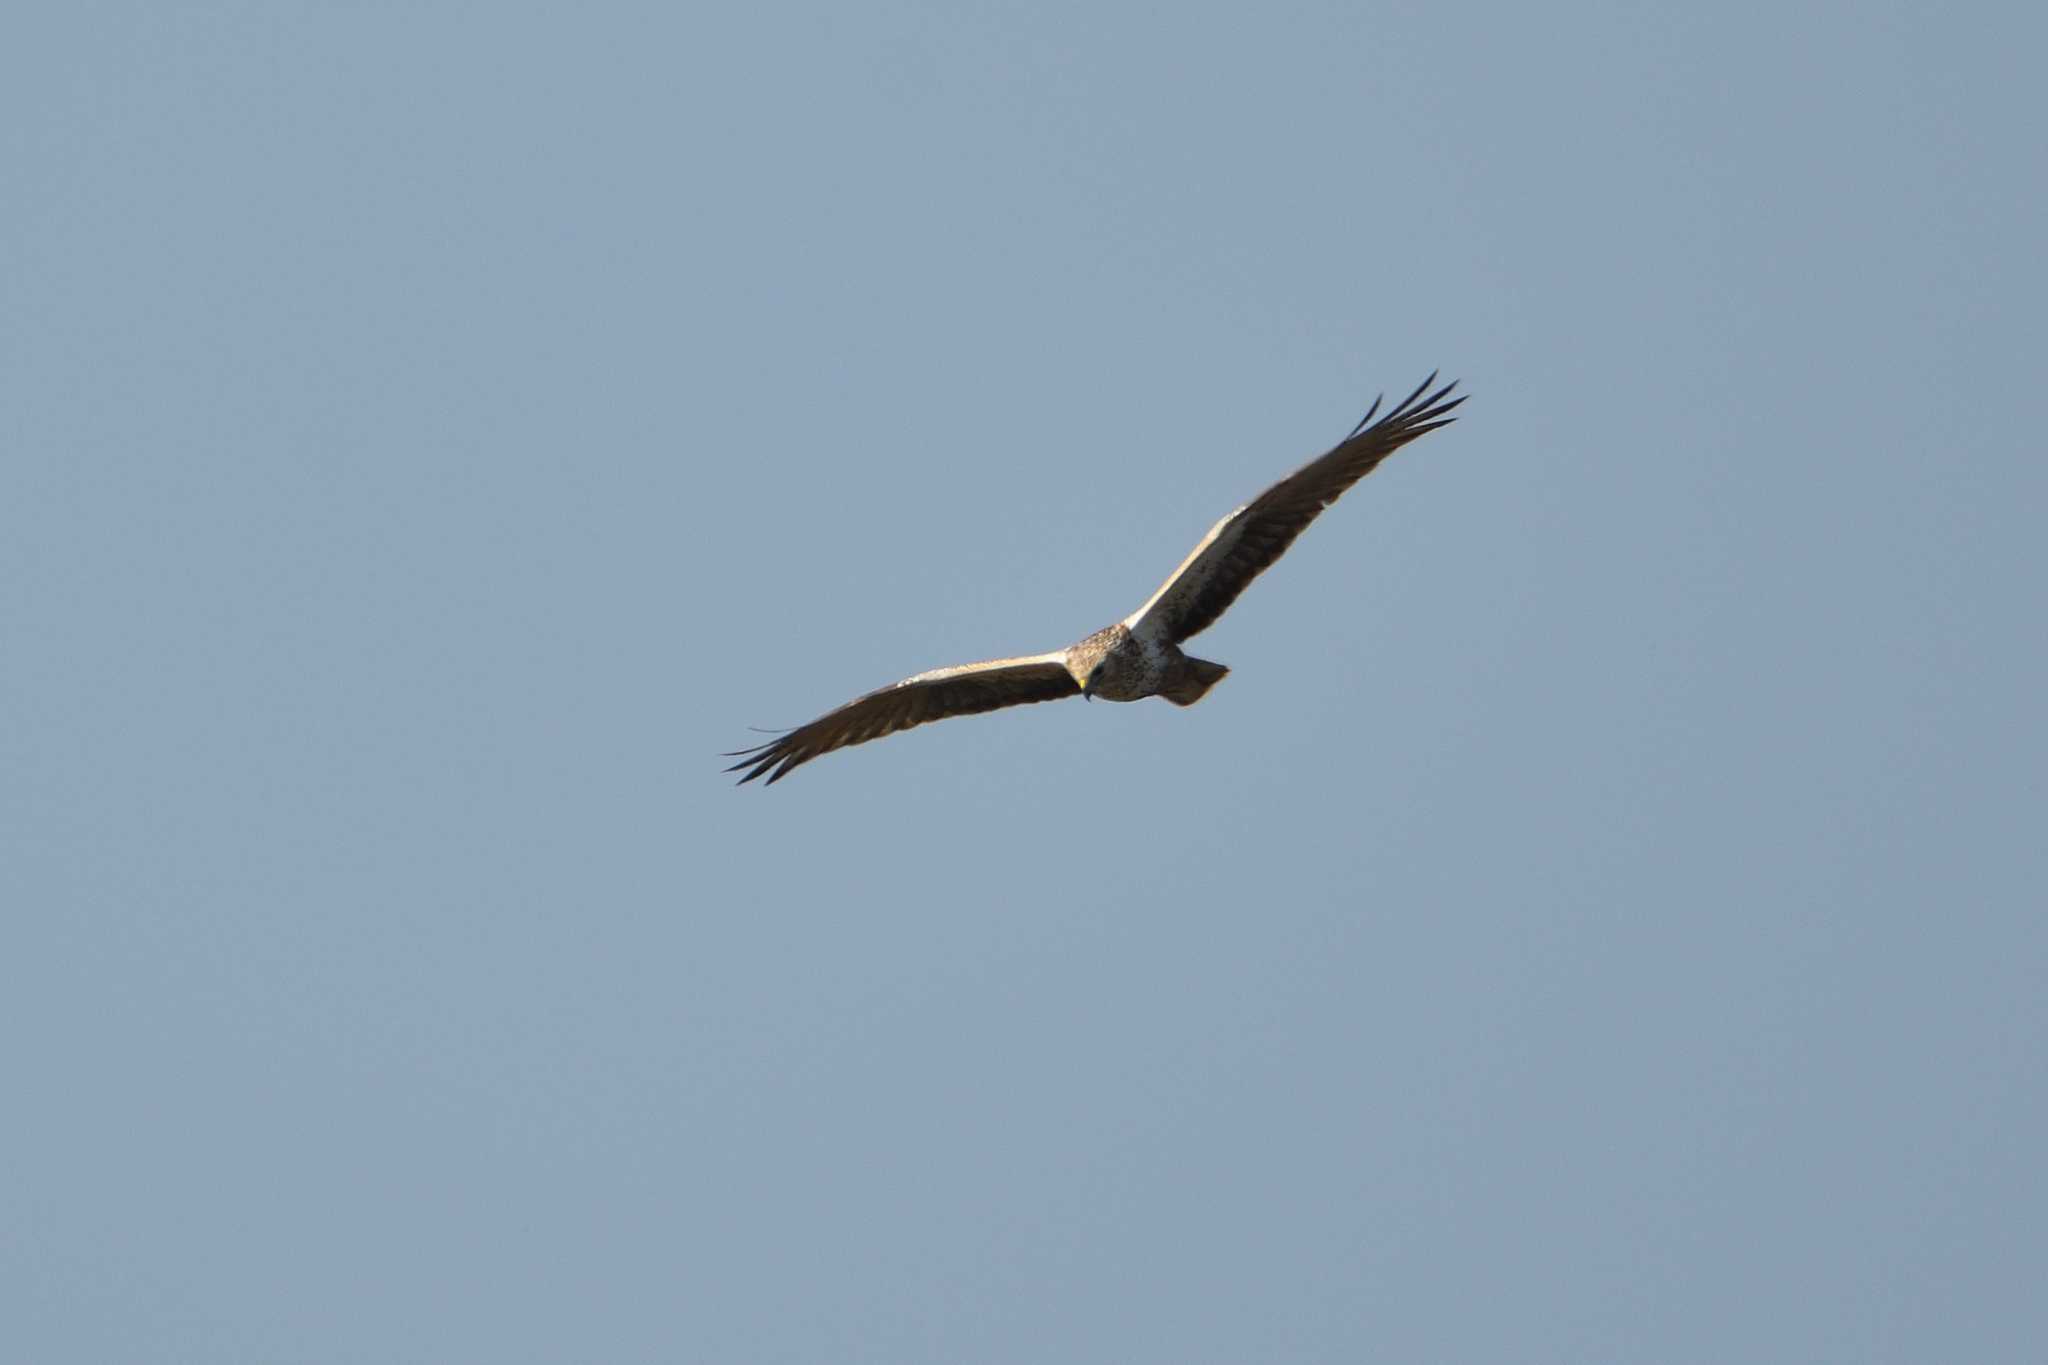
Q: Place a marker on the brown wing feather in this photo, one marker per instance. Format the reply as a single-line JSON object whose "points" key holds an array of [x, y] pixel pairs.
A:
{"points": [[963, 691], [1247, 542]]}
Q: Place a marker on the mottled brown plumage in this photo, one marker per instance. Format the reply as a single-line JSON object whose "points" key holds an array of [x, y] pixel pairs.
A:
{"points": [[1139, 656]]}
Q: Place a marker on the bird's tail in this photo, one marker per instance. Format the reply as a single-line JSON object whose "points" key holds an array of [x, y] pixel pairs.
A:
{"points": [[1197, 676]]}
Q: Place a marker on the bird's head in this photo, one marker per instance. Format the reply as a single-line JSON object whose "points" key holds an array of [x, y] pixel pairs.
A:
{"points": [[1088, 671]]}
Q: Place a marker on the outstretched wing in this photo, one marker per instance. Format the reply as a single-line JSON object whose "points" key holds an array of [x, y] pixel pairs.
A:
{"points": [[963, 690], [1244, 544]]}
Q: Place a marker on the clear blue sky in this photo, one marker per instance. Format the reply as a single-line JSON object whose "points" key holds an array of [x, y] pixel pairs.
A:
{"points": [[1599, 919]]}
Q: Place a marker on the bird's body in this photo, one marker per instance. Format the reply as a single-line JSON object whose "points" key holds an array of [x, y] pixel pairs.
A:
{"points": [[1128, 665], [1139, 656]]}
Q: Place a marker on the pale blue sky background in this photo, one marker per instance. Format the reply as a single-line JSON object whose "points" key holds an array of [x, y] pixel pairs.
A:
{"points": [[1600, 919]]}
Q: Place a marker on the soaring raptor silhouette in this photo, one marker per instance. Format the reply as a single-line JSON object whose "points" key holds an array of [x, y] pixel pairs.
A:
{"points": [[1139, 656]]}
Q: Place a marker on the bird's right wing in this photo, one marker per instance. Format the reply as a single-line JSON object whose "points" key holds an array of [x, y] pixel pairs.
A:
{"points": [[963, 690], [1244, 544]]}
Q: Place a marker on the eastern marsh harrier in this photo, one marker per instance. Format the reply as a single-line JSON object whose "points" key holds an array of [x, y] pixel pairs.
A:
{"points": [[1140, 655]]}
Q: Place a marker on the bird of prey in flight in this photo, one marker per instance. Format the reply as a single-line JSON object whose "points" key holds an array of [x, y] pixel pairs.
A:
{"points": [[1139, 656]]}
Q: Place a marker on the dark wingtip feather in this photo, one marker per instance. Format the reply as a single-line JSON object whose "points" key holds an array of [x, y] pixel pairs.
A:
{"points": [[1407, 404], [1363, 421]]}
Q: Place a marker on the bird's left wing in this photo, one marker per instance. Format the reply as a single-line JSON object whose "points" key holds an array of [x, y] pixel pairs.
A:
{"points": [[963, 690], [1244, 544]]}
